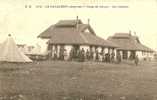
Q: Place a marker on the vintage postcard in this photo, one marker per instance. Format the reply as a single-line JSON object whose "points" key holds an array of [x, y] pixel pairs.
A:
{"points": [[78, 50]]}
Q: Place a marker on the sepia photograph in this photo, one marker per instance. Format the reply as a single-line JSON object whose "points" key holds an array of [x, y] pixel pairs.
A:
{"points": [[78, 50]]}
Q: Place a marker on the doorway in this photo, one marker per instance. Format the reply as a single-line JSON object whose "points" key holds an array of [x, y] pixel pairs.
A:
{"points": [[125, 54]]}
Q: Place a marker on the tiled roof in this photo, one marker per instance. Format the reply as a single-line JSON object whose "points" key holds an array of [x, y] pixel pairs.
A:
{"points": [[66, 32], [126, 41]]}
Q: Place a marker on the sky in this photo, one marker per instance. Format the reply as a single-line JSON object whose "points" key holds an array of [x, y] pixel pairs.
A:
{"points": [[25, 24]]}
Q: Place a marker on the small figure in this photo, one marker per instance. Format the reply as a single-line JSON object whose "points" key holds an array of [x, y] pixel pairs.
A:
{"points": [[82, 55], [92, 55], [61, 54], [55, 55], [118, 57], [65, 55], [97, 55], [71, 54], [112, 56], [87, 55], [136, 60], [108, 58]]}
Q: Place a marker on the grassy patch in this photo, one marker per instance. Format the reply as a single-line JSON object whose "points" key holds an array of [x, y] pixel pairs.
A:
{"points": [[49, 80]]}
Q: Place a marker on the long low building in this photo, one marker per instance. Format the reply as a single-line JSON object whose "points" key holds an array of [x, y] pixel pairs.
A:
{"points": [[74, 34], [130, 45]]}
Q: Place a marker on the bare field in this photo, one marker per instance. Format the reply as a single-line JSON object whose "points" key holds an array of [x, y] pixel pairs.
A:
{"points": [[49, 80]]}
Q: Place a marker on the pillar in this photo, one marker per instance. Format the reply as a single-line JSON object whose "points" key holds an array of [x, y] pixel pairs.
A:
{"points": [[129, 53], [58, 51], [121, 53], [106, 50], [115, 51]]}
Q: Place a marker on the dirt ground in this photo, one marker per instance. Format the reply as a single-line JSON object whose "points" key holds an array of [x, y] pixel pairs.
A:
{"points": [[49, 80]]}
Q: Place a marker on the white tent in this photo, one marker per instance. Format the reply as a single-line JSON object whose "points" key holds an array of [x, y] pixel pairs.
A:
{"points": [[36, 50], [9, 52], [42, 43], [40, 48]]}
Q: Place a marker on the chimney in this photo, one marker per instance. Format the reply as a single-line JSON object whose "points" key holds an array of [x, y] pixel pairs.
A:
{"points": [[77, 22], [88, 21]]}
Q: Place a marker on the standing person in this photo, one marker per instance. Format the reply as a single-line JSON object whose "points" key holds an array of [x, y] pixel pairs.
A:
{"points": [[103, 56], [55, 55], [112, 56], [108, 58], [97, 55], [87, 55], [136, 60], [79, 55], [61, 54], [118, 57], [106, 54], [65, 55], [71, 54], [82, 55], [91, 55]]}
